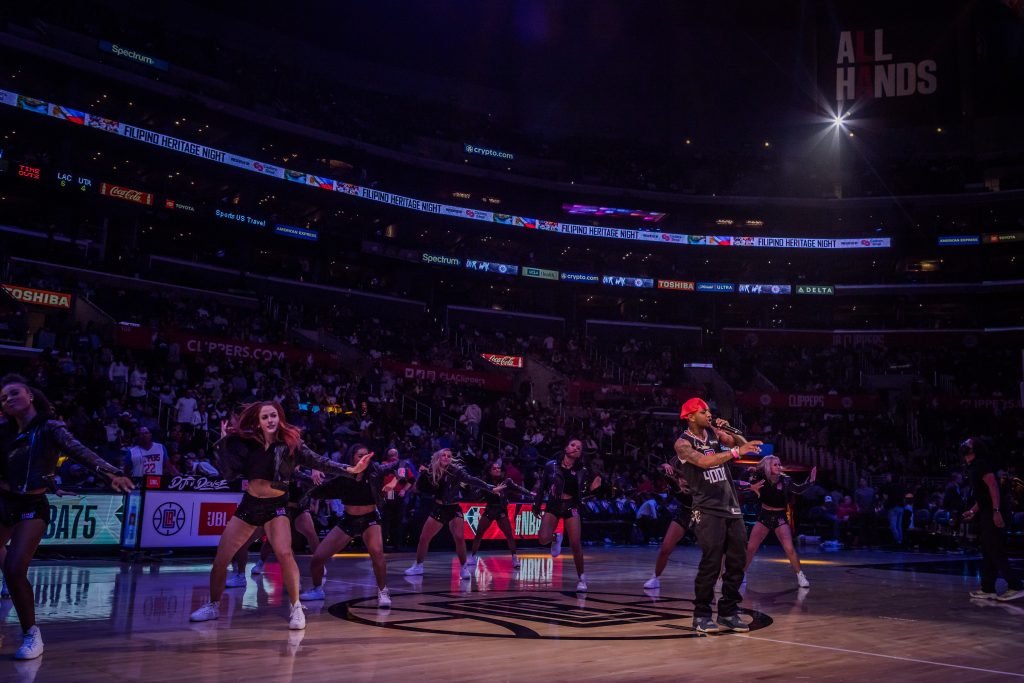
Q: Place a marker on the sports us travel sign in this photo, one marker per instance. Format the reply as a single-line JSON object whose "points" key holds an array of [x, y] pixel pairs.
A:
{"points": [[503, 361]]}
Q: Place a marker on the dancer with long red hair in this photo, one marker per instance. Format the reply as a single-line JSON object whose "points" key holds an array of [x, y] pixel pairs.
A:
{"points": [[263, 448]]}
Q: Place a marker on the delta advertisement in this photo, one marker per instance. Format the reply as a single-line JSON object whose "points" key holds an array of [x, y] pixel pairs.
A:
{"points": [[181, 146]]}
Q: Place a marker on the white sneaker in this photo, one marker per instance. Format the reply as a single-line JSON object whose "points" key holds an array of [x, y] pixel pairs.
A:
{"points": [[652, 583], [314, 593], [383, 598], [556, 545], [465, 572], [516, 564], [257, 568], [1010, 594], [983, 595], [471, 560], [801, 580], [581, 586], [297, 617], [207, 612], [235, 581], [31, 645], [415, 570]]}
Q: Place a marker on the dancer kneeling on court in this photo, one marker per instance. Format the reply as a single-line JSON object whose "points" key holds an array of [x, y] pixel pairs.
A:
{"points": [[445, 479], [263, 448], [362, 498], [774, 488], [564, 482], [31, 439], [496, 511]]}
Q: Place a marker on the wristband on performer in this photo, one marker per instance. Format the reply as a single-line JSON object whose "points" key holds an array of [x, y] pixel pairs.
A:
{"points": [[735, 453]]}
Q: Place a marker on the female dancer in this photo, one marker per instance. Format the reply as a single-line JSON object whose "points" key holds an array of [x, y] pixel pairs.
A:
{"points": [[362, 498], [773, 488], [563, 484], [30, 442], [676, 528], [496, 511], [263, 448], [445, 479], [300, 514]]}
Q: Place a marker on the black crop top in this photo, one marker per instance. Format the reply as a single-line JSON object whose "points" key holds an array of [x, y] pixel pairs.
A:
{"points": [[777, 495], [242, 458], [28, 459]]}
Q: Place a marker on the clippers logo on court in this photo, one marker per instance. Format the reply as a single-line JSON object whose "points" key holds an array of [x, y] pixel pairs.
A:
{"points": [[537, 615], [168, 518]]}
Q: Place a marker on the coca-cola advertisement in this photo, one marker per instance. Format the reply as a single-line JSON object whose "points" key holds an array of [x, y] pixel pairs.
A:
{"points": [[127, 194], [503, 361]]}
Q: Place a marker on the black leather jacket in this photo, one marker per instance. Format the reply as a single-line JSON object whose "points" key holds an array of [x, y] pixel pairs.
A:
{"points": [[501, 498], [449, 489], [29, 459], [372, 477], [241, 458], [552, 482]]}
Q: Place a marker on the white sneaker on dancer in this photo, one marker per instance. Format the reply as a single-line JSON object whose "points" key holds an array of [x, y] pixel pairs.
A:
{"points": [[556, 545], [314, 593], [257, 568], [235, 581], [652, 583], [297, 617], [465, 572], [801, 580], [384, 597], [207, 612], [516, 564], [471, 560], [581, 586], [31, 644], [415, 570]]}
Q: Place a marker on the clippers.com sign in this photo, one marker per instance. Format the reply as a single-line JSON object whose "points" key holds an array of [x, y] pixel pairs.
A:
{"points": [[503, 361], [127, 194]]}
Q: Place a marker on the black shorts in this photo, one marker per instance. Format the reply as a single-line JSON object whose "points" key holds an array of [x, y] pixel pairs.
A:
{"points": [[446, 513], [496, 512], [355, 525], [22, 507], [563, 509], [772, 519], [683, 517], [259, 511]]}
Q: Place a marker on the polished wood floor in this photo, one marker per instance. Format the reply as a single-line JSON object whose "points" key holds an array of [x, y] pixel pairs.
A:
{"points": [[867, 616]]}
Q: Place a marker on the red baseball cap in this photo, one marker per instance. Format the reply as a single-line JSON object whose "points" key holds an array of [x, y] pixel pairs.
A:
{"points": [[694, 405]]}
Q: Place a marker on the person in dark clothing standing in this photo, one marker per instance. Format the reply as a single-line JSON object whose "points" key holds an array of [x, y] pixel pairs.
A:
{"points": [[717, 518], [987, 509]]}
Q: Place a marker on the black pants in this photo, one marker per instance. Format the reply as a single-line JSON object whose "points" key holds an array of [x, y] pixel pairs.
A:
{"points": [[994, 560], [718, 537]]}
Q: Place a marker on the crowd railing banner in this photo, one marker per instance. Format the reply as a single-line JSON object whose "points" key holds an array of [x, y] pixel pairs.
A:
{"points": [[219, 156]]}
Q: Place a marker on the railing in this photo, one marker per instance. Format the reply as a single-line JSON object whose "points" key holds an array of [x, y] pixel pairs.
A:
{"points": [[812, 456], [415, 410]]}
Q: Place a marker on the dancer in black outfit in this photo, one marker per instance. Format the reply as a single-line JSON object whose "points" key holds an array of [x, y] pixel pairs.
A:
{"points": [[362, 498], [774, 489], [676, 528], [563, 484], [31, 439], [445, 479], [717, 519], [988, 510], [496, 511], [263, 448]]}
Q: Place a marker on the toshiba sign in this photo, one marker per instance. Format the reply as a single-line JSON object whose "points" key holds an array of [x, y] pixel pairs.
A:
{"points": [[127, 194], [39, 297]]}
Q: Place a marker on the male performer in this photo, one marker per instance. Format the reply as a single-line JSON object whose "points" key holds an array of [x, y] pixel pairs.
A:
{"points": [[988, 509], [717, 519]]}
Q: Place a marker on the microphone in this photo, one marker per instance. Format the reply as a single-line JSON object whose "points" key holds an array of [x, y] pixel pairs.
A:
{"points": [[725, 427]]}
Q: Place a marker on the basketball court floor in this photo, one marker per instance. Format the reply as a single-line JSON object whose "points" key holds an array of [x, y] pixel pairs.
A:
{"points": [[867, 616]]}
